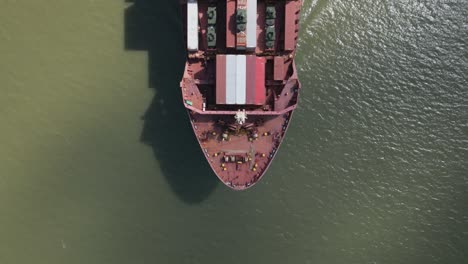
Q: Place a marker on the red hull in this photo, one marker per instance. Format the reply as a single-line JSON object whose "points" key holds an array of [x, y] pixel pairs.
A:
{"points": [[240, 98]]}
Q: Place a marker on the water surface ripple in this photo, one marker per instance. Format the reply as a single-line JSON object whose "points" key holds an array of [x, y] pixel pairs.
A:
{"points": [[98, 163]]}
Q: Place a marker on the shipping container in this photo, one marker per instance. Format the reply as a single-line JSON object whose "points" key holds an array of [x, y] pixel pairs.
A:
{"points": [[192, 25], [231, 24], [290, 26], [278, 71], [231, 72], [240, 79], [251, 24], [251, 75], [220, 79], [260, 91]]}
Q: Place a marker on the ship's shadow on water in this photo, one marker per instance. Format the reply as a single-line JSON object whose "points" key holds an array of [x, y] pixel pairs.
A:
{"points": [[156, 27]]}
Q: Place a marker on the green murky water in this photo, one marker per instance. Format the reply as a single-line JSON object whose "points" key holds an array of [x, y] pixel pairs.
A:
{"points": [[98, 163]]}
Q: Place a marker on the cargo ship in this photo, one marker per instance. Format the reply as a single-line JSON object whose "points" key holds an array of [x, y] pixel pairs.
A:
{"points": [[240, 84]]}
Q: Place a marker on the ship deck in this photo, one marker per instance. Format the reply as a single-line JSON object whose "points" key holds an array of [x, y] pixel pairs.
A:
{"points": [[240, 150]]}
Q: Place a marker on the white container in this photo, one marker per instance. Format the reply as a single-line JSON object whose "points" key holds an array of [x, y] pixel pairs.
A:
{"points": [[241, 83], [231, 78], [251, 24], [192, 25]]}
